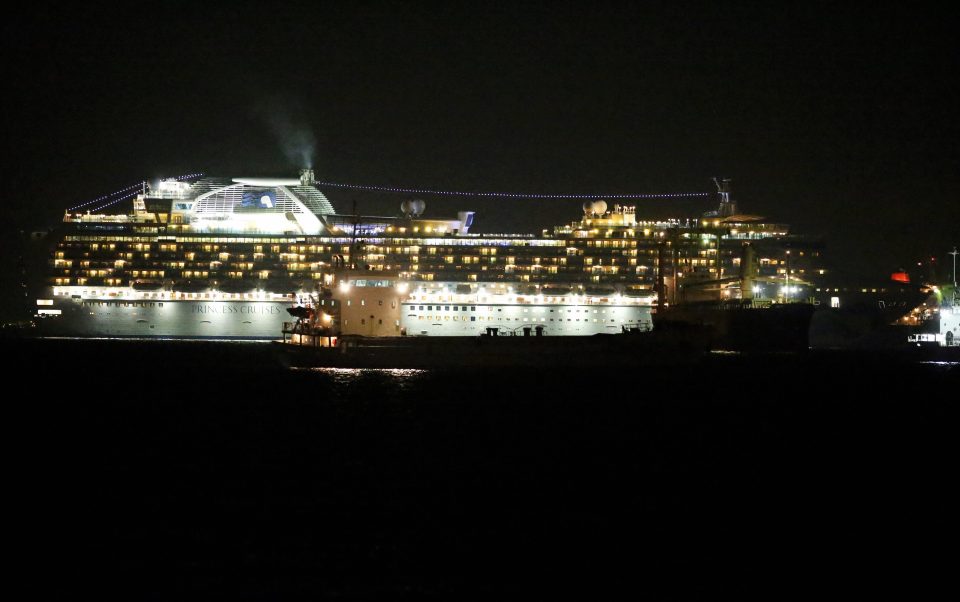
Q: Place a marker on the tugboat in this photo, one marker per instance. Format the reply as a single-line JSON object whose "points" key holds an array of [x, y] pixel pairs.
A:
{"points": [[939, 334]]}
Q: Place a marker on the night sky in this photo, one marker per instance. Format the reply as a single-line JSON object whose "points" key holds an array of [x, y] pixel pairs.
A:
{"points": [[838, 119]]}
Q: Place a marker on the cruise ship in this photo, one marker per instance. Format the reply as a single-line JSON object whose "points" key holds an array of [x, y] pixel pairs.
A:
{"points": [[205, 257]]}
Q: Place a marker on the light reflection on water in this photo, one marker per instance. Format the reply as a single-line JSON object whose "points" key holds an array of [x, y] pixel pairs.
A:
{"points": [[364, 384], [398, 372]]}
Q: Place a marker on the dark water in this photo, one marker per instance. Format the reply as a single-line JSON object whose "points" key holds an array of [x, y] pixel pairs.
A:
{"points": [[167, 471]]}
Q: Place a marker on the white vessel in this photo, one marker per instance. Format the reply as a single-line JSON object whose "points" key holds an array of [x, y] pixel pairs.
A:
{"points": [[364, 304], [225, 258], [947, 333], [459, 310]]}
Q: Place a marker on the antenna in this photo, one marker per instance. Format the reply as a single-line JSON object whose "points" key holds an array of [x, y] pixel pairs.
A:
{"points": [[353, 239], [954, 253]]}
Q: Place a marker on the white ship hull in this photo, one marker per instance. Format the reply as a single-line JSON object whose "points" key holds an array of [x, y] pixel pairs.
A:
{"points": [[386, 306], [451, 319], [153, 318]]}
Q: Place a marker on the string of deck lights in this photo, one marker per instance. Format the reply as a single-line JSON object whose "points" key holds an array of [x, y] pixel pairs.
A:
{"points": [[117, 200], [516, 195], [138, 185], [107, 196]]}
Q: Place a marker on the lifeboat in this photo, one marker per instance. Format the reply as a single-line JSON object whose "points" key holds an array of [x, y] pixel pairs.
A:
{"points": [[191, 286], [600, 291], [236, 286], [279, 285]]}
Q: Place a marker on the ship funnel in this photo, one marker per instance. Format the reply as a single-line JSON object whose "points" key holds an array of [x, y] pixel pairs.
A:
{"points": [[466, 220], [306, 177]]}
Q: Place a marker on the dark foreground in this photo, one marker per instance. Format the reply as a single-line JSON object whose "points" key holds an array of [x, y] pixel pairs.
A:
{"points": [[170, 471]]}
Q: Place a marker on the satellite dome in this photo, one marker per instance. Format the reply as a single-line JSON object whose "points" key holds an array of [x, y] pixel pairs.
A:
{"points": [[588, 207], [599, 207], [406, 207], [417, 207]]}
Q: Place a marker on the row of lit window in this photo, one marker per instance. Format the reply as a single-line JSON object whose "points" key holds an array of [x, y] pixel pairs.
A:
{"points": [[123, 303], [363, 321], [490, 308], [363, 302], [612, 244], [432, 318], [448, 259]]}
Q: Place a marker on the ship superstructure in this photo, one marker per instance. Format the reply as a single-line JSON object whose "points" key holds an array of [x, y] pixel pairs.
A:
{"points": [[221, 257]]}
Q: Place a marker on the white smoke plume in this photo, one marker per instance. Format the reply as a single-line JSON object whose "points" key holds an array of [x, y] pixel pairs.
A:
{"points": [[287, 121]]}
